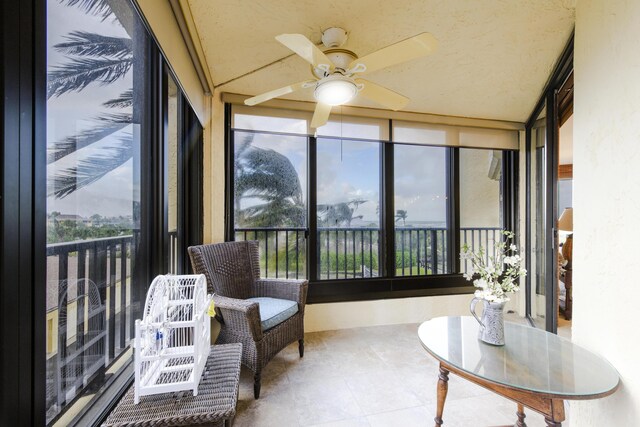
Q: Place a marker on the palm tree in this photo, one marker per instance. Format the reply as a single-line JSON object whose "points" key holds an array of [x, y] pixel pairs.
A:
{"points": [[339, 214], [269, 177], [92, 58], [401, 215]]}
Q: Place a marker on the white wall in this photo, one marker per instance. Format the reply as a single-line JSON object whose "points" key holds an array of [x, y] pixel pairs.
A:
{"points": [[343, 315], [607, 201]]}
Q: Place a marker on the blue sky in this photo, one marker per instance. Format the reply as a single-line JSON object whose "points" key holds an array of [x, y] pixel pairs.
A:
{"points": [[72, 112], [349, 170]]}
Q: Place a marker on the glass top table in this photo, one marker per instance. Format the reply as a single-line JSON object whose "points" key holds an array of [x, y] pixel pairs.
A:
{"points": [[532, 362]]}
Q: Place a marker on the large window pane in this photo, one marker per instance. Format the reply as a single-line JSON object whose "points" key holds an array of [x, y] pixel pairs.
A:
{"points": [[421, 210], [348, 197], [270, 199], [96, 74], [480, 200]]}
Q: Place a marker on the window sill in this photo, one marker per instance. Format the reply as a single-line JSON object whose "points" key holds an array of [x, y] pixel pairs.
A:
{"points": [[327, 291]]}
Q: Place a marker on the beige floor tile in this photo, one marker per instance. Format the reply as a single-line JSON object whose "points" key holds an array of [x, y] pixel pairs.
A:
{"points": [[322, 401], [374, 376], [352, 422], [266, 412], [350, 363], [381, 392], [418, 416]]}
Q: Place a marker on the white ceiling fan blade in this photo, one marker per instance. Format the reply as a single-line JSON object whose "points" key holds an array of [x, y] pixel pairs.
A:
{"points": [[321, 115], [306, 49], [278, 92], [382, 95], [406, 50]]}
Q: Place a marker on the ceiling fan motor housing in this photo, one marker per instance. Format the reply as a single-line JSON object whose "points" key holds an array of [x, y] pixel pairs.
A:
{"points": [[334, 37], [341, 58]]}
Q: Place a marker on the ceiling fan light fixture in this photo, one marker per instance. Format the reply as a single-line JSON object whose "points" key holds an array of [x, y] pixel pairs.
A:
{"points": [[336, 90]]}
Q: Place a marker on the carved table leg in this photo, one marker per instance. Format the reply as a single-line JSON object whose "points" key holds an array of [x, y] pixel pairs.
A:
{"points": [[521, 416], [443, 387], [555, 416]]}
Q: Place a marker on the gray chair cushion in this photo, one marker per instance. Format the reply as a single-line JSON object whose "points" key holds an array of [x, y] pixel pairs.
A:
{"points": [[274, 311]]}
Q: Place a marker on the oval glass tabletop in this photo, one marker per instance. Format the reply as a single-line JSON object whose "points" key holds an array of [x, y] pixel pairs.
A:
{"points": [[532, 359]]}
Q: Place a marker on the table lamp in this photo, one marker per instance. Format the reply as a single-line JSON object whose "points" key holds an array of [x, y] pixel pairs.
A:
{"points": [[565, 222]]}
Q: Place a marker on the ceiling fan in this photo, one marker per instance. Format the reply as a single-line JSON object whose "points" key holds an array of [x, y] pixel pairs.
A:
{"points": [[336, 71]]}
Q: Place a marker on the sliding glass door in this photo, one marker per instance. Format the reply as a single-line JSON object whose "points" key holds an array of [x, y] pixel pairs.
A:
{"points": [[538, 221], [541, 228]]}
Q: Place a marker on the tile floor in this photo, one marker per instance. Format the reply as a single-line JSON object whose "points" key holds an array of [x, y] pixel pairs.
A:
{"points": [[374, 376]]}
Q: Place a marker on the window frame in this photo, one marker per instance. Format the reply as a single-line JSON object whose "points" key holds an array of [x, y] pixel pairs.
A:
{"points": [[387, 286], [23, 216]]}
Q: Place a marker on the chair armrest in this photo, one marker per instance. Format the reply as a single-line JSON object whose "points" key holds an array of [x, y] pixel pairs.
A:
{"points": [[241, 316], [293, 290]]}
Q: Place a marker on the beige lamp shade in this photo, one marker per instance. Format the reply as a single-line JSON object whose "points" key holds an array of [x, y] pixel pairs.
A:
{"points": [[565, 222]]}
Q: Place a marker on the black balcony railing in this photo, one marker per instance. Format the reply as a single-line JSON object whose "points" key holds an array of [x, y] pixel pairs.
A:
{"points": [[282, 250], [348, 252], [354, 252], [480, 237], [90, 303], [421, 251], [90, 319]]}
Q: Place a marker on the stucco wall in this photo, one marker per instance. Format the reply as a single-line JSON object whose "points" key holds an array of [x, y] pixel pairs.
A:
{"points": [[172, 136], [607, 201], [213, 176], [322, 317], [161, 19]]}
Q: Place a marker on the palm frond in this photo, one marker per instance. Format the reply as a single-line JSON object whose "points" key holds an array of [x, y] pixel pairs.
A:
{"points": [[277, 212], [115, 117], [90, 44], [90, 169], [124, 100], [94, 7], [81, 72], [87, 137], [265, 172]]}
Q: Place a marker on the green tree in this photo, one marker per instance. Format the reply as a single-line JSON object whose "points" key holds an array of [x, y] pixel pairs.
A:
{"points": [[401, 215], [339, 214], [96, 219]]}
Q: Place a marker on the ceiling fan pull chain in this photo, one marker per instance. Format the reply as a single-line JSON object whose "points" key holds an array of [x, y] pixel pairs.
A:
{"points": [[341, 140]]}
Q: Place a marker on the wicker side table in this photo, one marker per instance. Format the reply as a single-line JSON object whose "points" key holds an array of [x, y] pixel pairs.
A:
{"points": [[215, 404]]}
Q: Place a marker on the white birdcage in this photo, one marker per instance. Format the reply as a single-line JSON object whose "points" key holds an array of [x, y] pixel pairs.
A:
{"points": [[173, 338]]}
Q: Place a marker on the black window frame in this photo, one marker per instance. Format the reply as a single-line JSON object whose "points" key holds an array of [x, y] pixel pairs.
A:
{"points": [[386, 286], [189, 175], [23, 79], [549, 103]]}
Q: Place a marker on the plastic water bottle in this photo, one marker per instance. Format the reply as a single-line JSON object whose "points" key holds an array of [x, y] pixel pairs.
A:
{"points": [[158, 341]]}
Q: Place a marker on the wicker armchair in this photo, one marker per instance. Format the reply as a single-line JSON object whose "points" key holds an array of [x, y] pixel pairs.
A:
{"points": [[233, 272]]}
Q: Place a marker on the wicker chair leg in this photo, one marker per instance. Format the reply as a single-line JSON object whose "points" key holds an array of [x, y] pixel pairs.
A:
{"points": [[256, 385], [301, 347]]}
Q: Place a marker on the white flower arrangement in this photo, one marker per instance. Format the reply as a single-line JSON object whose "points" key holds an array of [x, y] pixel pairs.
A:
{"points": [[495, 276]]}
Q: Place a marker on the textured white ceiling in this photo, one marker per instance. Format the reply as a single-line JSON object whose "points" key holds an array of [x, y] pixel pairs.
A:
{"points": [[493, 60]]}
